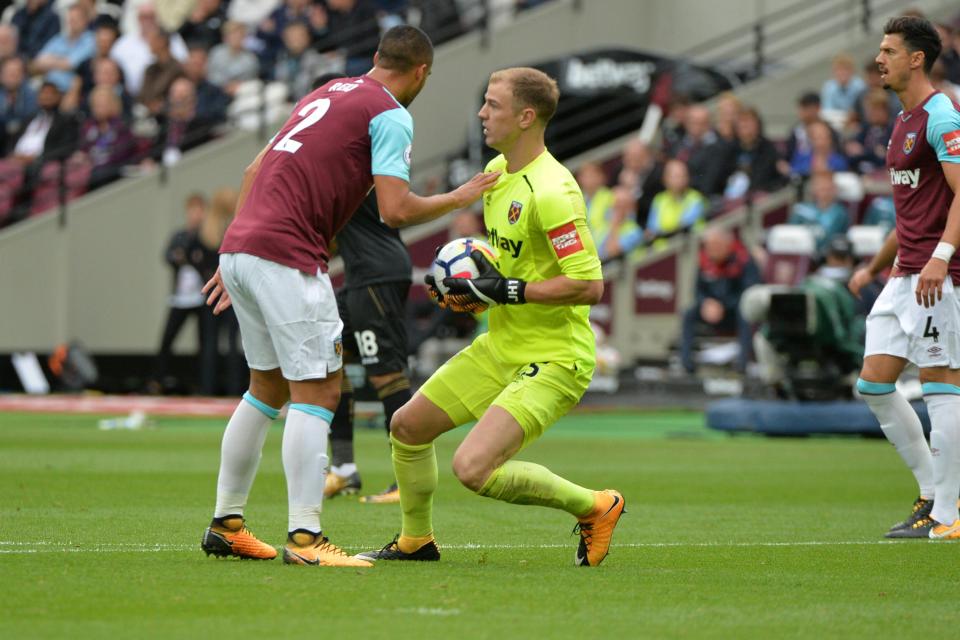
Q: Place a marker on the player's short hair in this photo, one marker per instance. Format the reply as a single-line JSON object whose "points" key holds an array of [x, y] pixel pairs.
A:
{"points": [[531, 88], [918, 34], [404, 47]]}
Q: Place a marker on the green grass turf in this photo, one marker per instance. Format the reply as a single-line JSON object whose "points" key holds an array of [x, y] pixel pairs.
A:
{"points": [[726, 537]]}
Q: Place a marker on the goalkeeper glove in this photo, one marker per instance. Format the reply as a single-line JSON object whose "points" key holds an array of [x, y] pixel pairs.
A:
{"points": [[488, 288]]}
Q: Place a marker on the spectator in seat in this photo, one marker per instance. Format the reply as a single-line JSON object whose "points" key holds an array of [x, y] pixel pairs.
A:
{"points": [[703, 152], [180, 127], [37, 23], [754, 160], [822, 212], [611, 213], [212, 102], [105, 35], [66, 51], [726, 271], [679, 206], [808, 112], [204, 25], [641, 174], [9, 41], [270, 31], [822, 155], [230, 64], [298, 64], [160, 74], [133, 49], [617, 232], [728, 110], [106, 73], [868, 148], [105, 139], [51, 134], [840, 92], [18, 100], [351, 28], [598, 197]]}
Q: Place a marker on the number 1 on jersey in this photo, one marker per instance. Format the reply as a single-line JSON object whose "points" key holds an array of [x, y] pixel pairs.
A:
{"points": [[311, 114]]}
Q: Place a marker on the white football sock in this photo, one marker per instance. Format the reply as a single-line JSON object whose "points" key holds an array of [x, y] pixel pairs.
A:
{"points": [[901, 425], [305, 463], [944, 410], [345, 470], [240, 454]]}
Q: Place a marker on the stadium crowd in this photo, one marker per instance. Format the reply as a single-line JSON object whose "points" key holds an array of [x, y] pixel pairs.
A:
{"points": [[706, 161], [92, 90]]}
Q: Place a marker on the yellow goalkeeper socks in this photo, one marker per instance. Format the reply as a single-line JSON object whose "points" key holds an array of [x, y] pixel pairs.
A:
{"points": [[528, 483], [416, 469]]}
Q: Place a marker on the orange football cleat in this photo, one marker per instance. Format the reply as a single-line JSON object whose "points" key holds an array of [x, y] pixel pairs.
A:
{"points": [[596, 529], [317, 550], [945, 531], [229, 536]]}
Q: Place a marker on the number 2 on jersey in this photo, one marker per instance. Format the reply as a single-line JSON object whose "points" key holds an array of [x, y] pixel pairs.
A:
{"points": [[311, 114]]}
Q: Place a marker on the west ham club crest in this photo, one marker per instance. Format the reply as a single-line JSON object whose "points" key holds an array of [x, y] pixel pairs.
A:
{"points": [[909, 142], [514, 214]]}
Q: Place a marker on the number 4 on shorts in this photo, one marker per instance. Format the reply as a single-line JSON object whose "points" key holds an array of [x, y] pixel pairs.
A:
{"points": [[931, 331]]}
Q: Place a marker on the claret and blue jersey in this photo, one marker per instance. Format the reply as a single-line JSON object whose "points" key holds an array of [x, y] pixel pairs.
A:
{"points": [[317, 170], [922, 138]]}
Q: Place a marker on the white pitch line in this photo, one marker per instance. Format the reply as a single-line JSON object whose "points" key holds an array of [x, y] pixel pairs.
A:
{"points": [[25, 547]]}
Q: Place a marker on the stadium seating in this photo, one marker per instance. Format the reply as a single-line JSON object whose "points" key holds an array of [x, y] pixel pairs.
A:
{"points": [[790, 249]]}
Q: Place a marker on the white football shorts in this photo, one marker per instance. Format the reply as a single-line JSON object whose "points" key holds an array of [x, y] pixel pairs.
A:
{"points": [[288, 319], [927, 337]]}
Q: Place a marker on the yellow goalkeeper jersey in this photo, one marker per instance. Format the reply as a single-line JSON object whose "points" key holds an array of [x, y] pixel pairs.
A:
{"points": [[536, 218]]}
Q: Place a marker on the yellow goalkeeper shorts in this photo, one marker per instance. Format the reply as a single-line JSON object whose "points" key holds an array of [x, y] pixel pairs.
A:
{"points": [[535, 394]]}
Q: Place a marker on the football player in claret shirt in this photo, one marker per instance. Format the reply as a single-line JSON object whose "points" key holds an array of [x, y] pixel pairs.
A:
{"points": [[537, 358], [341, 140], [917, 316]]}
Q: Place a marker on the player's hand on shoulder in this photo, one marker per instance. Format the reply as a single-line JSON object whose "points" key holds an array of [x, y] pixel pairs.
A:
{"points": [[471, 190]]}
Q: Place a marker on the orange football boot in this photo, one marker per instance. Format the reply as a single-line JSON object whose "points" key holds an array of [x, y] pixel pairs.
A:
{"points": [[317, 550], [596, 529], [229, 536]]}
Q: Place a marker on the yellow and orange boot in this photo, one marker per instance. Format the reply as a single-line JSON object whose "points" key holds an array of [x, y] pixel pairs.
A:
{"points": [[306, 548], [596, 528], [945, 531], [229, 537], [390, 495]]}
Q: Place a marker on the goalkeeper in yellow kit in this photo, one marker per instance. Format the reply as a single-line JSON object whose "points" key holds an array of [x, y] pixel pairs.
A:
{"points": [[537, 358]]}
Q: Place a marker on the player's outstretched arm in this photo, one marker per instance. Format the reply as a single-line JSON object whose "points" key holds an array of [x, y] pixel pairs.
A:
{"points": [[884, 258], [401, 207]]}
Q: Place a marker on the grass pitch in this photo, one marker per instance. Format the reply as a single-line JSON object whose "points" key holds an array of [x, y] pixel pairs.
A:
{"points": [[726, 537]]}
